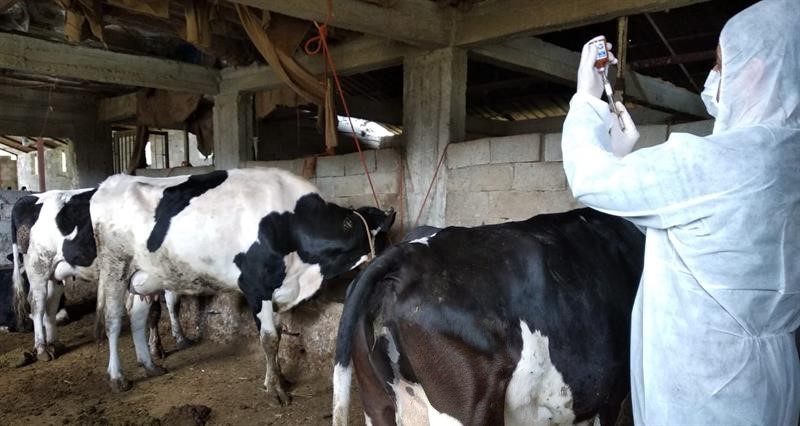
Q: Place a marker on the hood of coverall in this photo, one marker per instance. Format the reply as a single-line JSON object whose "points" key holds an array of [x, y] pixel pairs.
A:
{"points": [[761, 67]]}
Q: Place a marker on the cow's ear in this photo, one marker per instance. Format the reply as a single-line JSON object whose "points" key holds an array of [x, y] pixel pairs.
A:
{"points": [[377, 219], [388, 221]]}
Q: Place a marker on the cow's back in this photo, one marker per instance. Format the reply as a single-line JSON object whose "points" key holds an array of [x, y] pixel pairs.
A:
{"points": [[188, 229]]}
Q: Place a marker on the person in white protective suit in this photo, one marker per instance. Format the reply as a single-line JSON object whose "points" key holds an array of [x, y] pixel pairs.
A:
{"points": [[712, 338]]}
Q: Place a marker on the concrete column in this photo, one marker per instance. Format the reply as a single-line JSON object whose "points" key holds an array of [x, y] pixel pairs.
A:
{"points": [[434, 110], [233, 130]]}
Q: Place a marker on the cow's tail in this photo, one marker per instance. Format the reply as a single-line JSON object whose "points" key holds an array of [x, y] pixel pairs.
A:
{"points": [[20, 298], [359, 292]]}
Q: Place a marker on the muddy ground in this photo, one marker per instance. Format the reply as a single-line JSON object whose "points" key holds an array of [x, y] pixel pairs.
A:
{"points": [[226, 378]]}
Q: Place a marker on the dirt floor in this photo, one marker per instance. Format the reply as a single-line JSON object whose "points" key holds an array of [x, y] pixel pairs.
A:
{"points": [[226, 379]]}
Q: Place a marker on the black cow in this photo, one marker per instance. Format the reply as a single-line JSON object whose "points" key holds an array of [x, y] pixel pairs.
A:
{"points": [[7, 317], [520, 323]]}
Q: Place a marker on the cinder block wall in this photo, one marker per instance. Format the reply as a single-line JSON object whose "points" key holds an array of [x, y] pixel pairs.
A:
{"points": [[494, 180], [341, 179], [57, 176], [8, 173]]}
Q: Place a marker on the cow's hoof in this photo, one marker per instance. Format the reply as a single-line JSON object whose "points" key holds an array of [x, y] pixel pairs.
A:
{"points": [[47, 353], [27, 358], [55, 350], [183, 343], [155, 371], [277, 395], [120, 385], [62, 317]]}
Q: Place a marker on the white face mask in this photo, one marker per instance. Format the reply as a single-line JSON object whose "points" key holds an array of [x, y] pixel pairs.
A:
{"points": [[709, 94]]}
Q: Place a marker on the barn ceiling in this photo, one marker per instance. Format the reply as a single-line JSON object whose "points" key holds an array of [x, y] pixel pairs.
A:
{"points": [[675, 45]]}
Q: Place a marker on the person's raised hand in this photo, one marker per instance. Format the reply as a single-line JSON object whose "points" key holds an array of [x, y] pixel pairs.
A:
{"points": [[589, 79]]}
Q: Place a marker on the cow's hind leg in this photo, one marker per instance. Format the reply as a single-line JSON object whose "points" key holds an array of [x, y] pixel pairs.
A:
{"points": [[139, 315], [173, 307], [373, 373], [154, 339], [55, 291], [37, 298], [111, 294]]}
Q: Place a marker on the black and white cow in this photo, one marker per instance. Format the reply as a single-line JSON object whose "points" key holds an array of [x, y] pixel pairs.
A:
{"points": [[263, 232], [522, 323], [52, 238], [8, 320]]}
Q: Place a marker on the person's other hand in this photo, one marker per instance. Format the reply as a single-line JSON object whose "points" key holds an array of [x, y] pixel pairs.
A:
{"points": [[589, 80], [622, 141]]}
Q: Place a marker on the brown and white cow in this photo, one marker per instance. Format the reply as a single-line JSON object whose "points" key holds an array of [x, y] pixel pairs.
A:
{"points": [[522, 323]]}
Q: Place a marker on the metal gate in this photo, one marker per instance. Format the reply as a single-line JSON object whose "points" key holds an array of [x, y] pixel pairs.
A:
{"points": [[124, 146]]}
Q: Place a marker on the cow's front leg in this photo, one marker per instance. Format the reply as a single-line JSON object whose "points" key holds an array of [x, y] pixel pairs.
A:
{"points": [[139, 314], [55, 291], [173, 308], [270, 339]]}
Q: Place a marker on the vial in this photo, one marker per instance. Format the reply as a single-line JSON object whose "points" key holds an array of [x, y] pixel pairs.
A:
{"points": [[602, 53]]}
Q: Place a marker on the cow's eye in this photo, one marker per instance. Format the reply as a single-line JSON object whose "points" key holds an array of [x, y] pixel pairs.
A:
{"points": [[347, 224]]}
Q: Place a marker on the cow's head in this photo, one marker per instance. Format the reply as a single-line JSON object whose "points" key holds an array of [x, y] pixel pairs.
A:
{"points": [[380, 223], [352, 237]]}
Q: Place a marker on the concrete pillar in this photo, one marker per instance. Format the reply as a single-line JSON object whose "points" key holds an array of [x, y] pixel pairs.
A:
{"points": [[434, 110], [233, 130], [93, 151]]}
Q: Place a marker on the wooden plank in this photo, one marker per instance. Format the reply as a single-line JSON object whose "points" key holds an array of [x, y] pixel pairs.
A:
{"points": [[491, 20], [418, 22], [28, 54], [361, 55], [544, 59]]}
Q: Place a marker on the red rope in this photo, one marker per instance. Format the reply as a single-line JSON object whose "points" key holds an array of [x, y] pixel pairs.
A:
{"points": [[430, 187], [322, 44]]}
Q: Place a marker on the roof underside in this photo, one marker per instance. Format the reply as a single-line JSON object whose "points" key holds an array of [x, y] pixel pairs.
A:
{"points": [[655, 42]]}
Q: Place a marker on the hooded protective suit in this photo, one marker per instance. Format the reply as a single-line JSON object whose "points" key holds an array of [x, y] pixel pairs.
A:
{"points": [[712, 329]]}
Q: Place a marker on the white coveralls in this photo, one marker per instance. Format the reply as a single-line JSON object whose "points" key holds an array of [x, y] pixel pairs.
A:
{"points": [[712, 328]]}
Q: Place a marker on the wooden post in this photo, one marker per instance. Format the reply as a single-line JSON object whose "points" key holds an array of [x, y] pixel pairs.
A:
{"points": [[40, 166], [186, 162]]}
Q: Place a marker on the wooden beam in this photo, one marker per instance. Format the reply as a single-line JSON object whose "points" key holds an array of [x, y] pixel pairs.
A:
{"points": [[15, 145], [483, 126], [683, 58], [537, 57], [31, 55], [117, 109], [418, 22], [361, 55], [504, 18]]}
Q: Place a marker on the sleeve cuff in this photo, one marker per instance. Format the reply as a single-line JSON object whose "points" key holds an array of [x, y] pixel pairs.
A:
{"points": [[599, 106]]}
